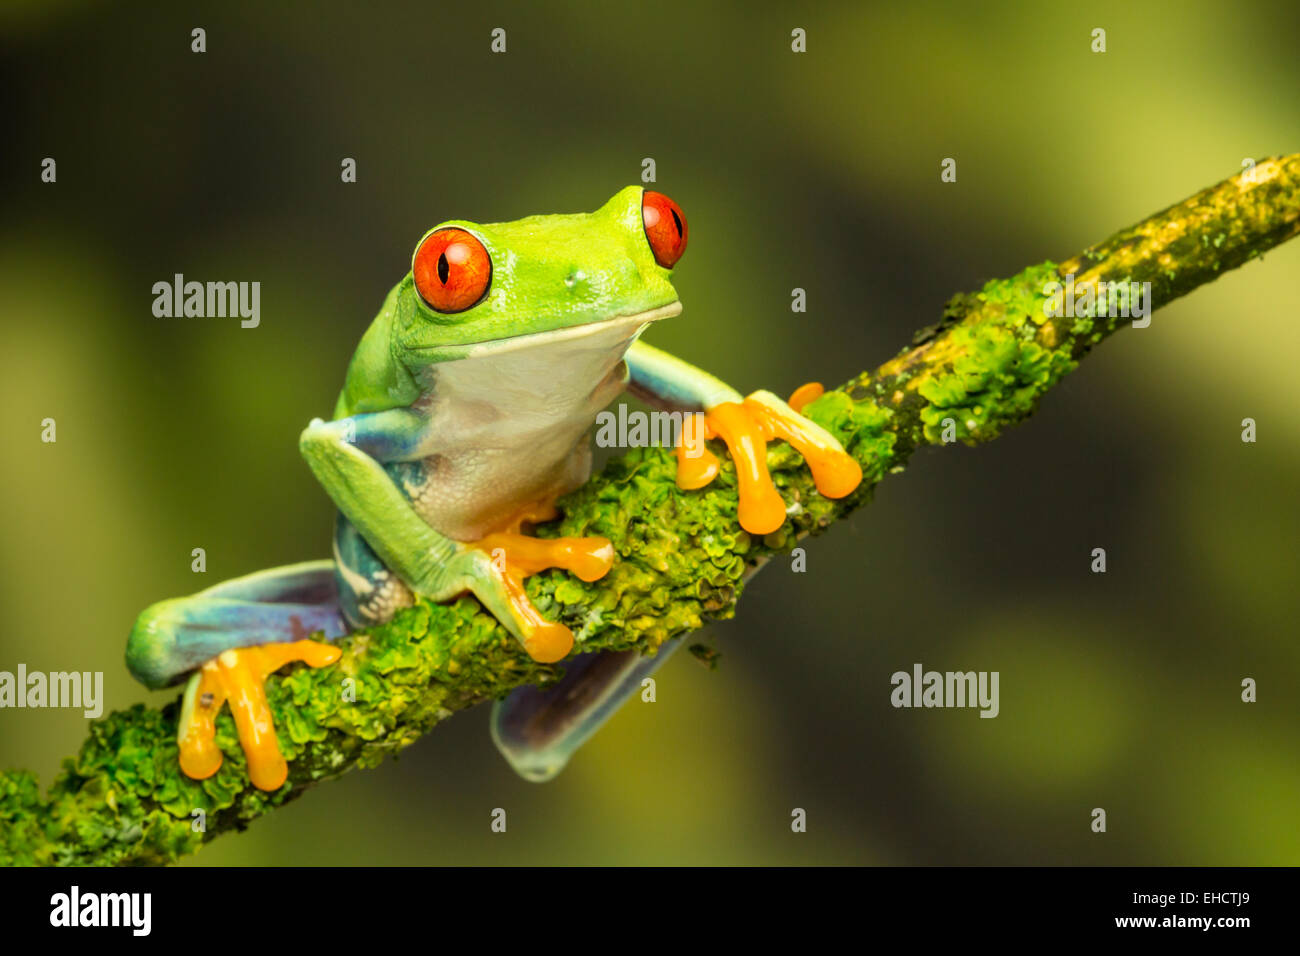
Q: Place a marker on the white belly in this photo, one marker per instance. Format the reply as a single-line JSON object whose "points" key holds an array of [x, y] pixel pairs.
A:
{"points": [[510, 425]]}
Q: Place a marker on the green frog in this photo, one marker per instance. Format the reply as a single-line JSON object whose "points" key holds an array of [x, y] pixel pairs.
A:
{"points": [[466, 412]]}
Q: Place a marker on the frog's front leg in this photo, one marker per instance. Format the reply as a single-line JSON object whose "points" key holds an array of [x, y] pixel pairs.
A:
{"points": [[515, 556], [347, 458], [746, 424], [229, 638]]}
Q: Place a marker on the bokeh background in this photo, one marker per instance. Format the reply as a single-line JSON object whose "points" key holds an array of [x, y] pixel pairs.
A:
{"points": [[818, 170]]}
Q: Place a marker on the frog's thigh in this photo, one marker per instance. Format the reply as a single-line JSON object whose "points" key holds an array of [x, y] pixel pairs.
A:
{"points": [[539, 730], [173, 637], [368, 592]]}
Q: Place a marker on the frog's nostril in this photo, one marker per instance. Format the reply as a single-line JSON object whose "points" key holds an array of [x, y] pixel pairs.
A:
{"points": [[574, 277]]}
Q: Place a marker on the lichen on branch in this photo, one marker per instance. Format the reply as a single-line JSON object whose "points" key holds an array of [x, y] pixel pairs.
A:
{"points": [[682, 557]]}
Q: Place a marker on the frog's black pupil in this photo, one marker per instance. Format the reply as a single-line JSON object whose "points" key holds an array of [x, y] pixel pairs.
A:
{"points": [[678, 221], [443, 268]]}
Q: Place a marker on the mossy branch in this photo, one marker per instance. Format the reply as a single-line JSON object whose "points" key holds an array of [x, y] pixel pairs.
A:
{"points": [[682, 557]]}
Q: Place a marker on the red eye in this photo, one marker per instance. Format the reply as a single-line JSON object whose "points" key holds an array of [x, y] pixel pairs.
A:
{"points": [[452, 270], [665, 228]]}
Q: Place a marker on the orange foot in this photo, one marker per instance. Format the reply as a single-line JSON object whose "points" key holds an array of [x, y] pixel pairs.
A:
{"points": [[747, 427], [239, 675], [516, 556]]}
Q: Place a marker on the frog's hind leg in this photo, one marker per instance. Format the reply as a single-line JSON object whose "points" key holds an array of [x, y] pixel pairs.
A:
{"points": [[173, 637], [231, 637], [369, 593], [539, 730]]}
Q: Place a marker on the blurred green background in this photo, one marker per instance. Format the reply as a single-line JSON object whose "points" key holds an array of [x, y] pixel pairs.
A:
{"points": [[818, 170]]}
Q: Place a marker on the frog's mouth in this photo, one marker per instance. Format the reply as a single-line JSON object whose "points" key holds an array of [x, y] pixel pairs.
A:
{"points": [[612, 326]]}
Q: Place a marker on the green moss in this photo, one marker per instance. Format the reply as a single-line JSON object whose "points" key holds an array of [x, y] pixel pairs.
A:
{"points": [[991, 374]]}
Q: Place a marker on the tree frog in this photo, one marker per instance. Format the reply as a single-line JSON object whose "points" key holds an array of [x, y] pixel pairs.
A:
{"points": [[466, 412]]}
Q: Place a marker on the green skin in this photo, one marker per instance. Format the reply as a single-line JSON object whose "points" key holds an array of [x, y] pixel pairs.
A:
{"points": [[569, 295], [448, 424]]}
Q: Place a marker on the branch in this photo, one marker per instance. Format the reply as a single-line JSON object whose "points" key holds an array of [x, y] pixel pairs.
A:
{"points": [[682, 557]]}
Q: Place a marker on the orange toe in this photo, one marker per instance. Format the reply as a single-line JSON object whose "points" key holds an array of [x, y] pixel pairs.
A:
{"points": [[808, 392], [761, 509], [549, 643], [696, 465], [588, 558], [200, 755], [835, 472], [545, 641], [238, 677]]}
